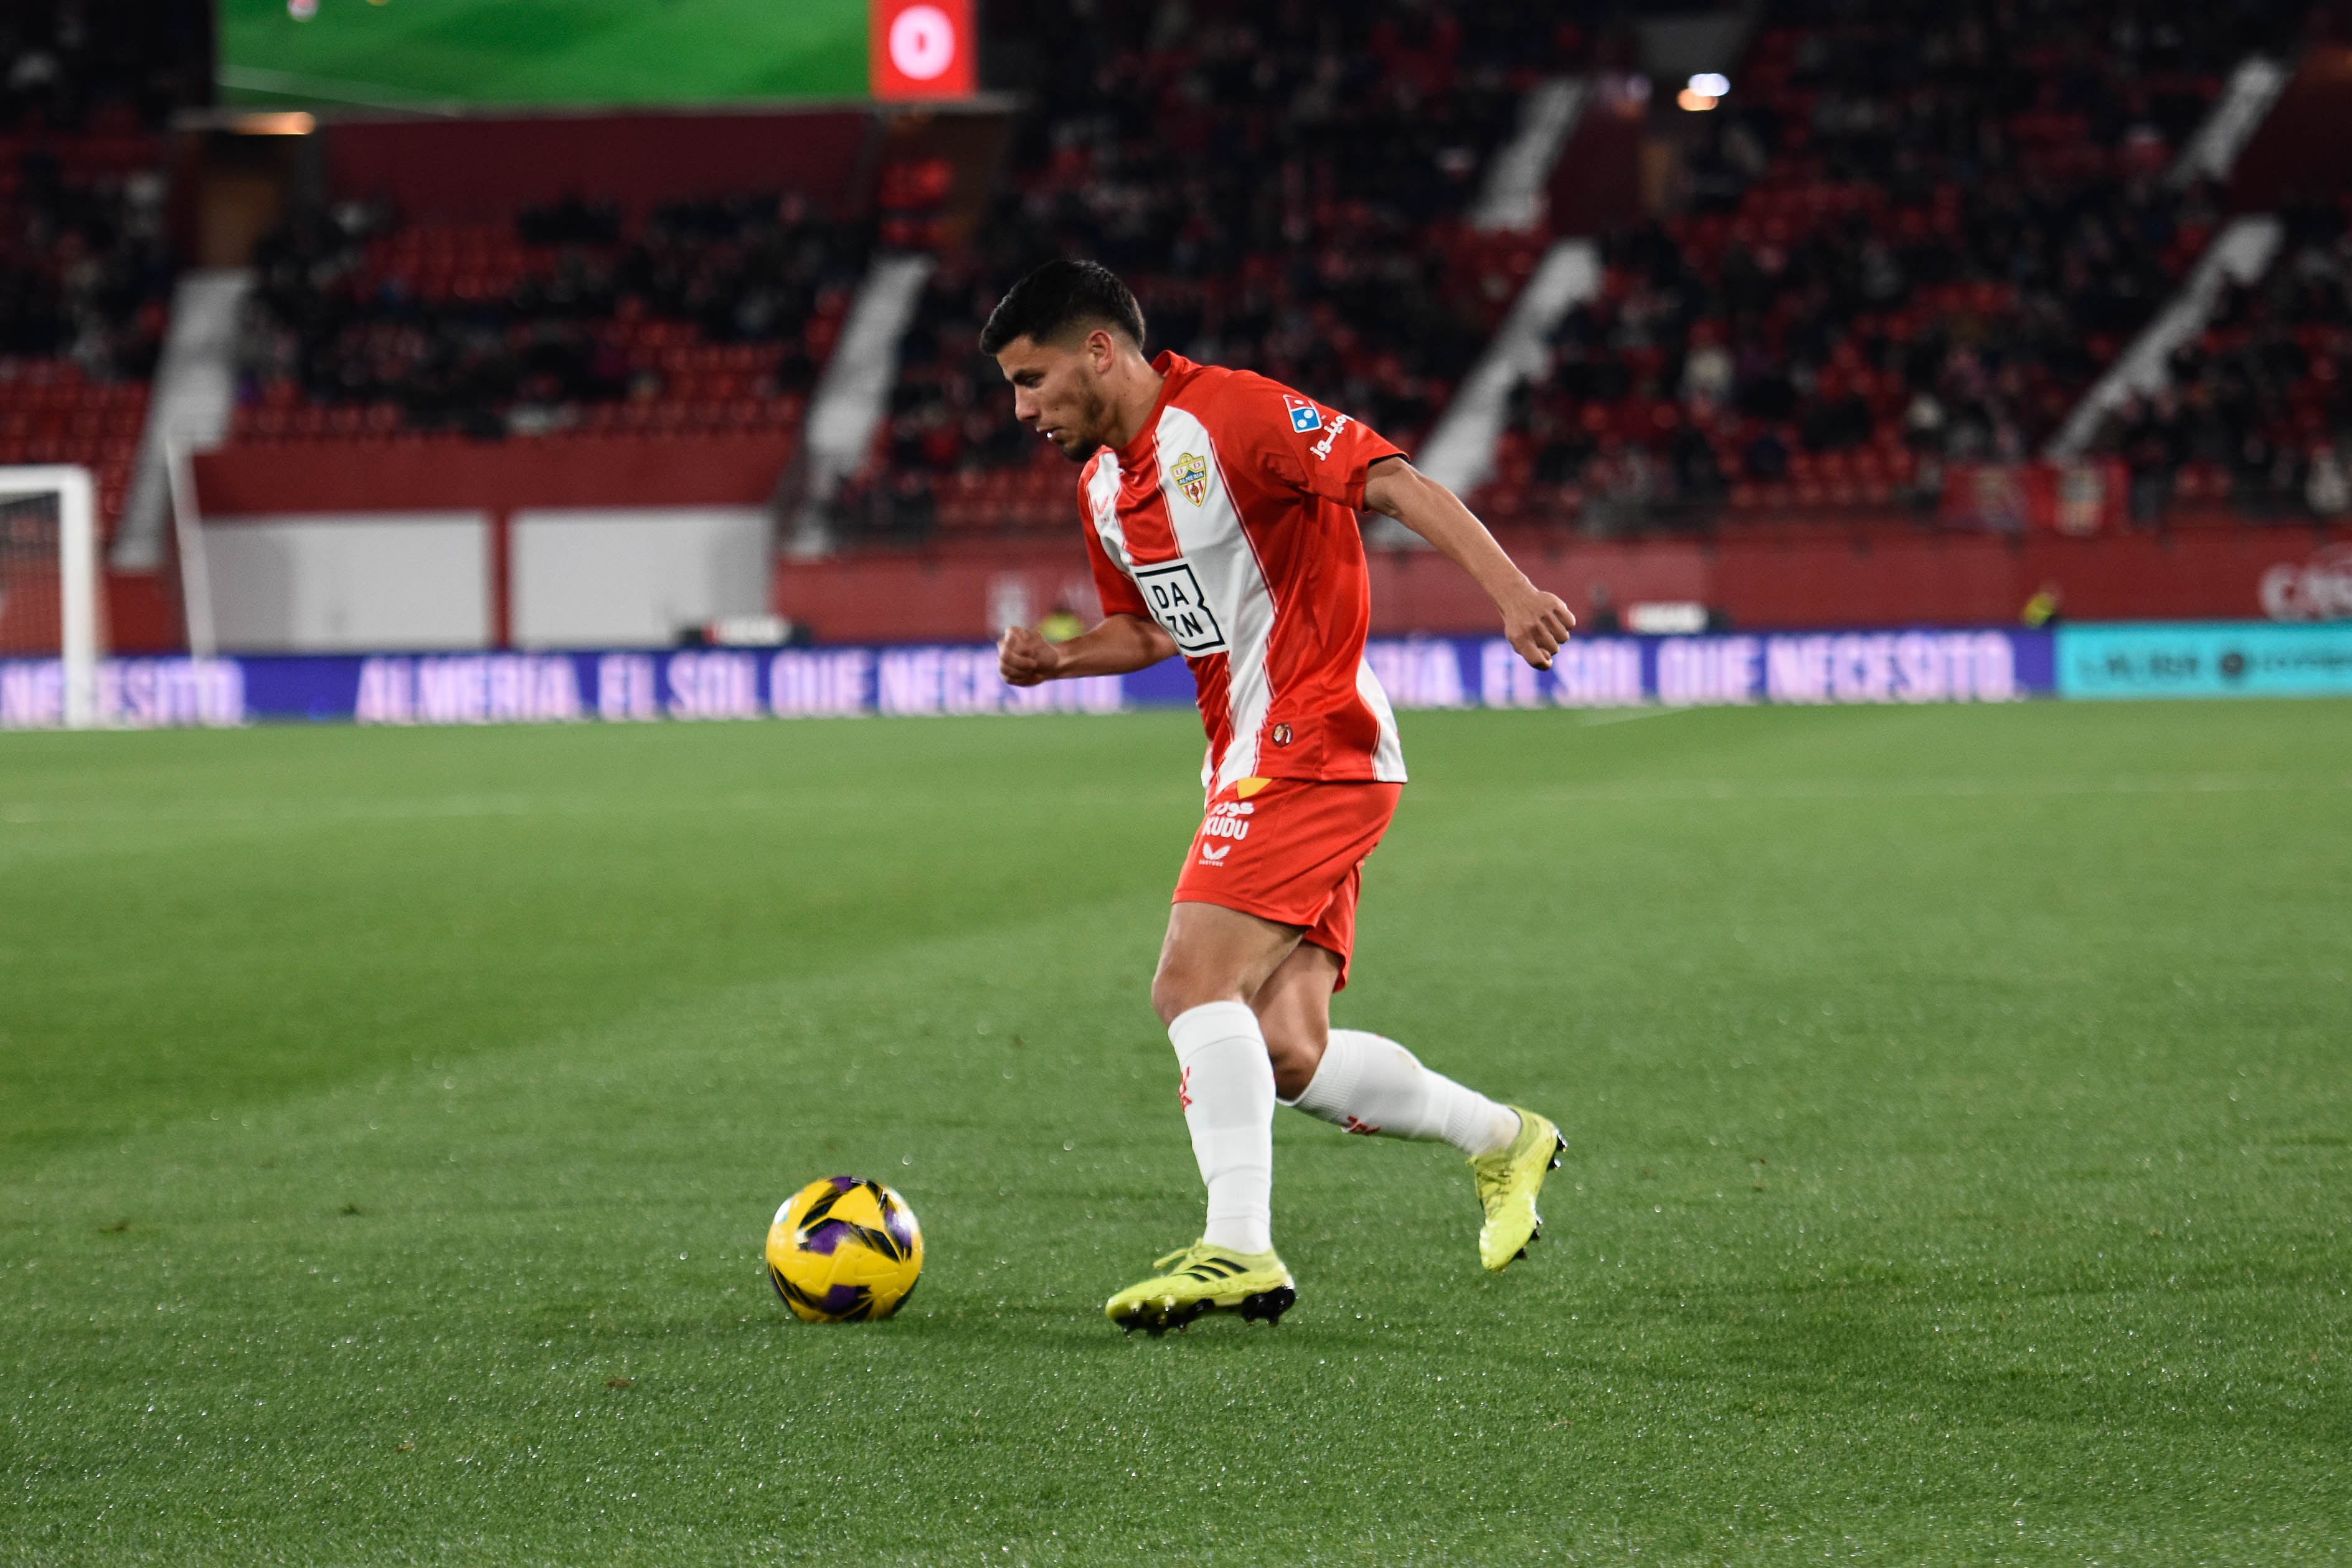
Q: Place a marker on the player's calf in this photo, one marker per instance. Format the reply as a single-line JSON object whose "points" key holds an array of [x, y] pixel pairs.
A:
{"points": [[1368, 1083]]}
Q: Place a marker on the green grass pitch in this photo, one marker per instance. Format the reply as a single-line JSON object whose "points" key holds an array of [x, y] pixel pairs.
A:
{"points": [[1959, 1100], [389, 54]]}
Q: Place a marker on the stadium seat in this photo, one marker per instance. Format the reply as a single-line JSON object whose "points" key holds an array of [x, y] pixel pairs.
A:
{"points": [[387, 303]]}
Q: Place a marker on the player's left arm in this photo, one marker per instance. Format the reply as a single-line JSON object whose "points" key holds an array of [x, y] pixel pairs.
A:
{"points": [[1536, 622]]}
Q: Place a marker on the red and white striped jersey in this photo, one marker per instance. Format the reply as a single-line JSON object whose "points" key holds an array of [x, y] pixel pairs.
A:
{"points": [[1230, 521]]}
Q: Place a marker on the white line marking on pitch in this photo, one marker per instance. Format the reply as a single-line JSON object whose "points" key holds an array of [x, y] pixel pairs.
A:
{"points": [[1958, 789], [1622, 715], [27, 814]]}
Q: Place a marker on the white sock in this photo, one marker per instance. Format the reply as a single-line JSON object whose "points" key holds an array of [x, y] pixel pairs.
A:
{"points": [[1368, 1083], [1227, 1086]]}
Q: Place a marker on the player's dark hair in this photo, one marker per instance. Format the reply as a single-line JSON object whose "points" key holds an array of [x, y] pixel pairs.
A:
{"points": [[1059, 297]]}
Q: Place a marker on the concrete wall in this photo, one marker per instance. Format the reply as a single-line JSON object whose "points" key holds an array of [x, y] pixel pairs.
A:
{"points": [[1818, 577], [578, 577], [333, 581], [632, 577]]}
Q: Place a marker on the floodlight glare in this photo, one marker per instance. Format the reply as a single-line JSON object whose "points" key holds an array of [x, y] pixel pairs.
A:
{"points": [[1710, 84]]}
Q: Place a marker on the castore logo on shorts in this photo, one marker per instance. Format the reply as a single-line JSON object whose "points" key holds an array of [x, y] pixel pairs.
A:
{"points": [[1227, 819]]}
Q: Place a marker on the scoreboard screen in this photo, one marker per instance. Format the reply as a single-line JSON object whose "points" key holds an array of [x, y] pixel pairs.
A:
{"points": [[428, 55]]}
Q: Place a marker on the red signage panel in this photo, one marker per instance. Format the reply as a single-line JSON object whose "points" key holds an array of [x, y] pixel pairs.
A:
{"points": [[923, 49]]}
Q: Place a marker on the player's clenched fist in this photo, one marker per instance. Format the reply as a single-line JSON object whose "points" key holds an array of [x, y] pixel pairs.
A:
{"points": [[1025, 658], [1537, 625]]}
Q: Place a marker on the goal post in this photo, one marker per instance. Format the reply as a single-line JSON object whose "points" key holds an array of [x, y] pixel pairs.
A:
{"points": [[48, 579]]}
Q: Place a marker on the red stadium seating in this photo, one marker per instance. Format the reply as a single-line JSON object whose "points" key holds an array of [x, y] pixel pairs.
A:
{"points": [[2260, 418], [1311, 231], [1903, 240], [700, 317], [87, 282]]}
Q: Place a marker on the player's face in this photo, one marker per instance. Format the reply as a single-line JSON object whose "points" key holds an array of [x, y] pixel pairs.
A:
{"points": [[1057, 390]]}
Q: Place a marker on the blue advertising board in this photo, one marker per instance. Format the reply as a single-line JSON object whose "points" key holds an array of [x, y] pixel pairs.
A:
{"points": [[1984, 664], [2205, 658]]}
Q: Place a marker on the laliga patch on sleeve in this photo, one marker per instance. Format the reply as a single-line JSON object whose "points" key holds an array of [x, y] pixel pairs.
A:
{"points": [[1304, 416]]}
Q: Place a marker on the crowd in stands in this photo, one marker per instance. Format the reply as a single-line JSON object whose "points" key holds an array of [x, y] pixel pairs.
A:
{"points": [[86, 266], [1283, 185], [101, 68], [1905, 239], [699, 315], [2259, 411]]}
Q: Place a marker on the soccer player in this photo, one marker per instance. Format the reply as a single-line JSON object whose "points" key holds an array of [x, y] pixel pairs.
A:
{"points": [[1220, 522]]}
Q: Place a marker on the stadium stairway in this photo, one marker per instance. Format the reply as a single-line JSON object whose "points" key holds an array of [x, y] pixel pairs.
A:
{"points": [[2212, 151], [2240, 253], [189, 407], [1481, 449], [2241, 257], [1460, 450], [853, 394], [1512, 199]]}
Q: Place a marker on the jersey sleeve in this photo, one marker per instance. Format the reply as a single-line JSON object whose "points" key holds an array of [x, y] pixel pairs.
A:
{"points": [[1314, 450], [1115, 588]]}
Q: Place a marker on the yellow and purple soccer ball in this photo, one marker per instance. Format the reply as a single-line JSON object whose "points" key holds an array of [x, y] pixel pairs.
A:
{"points": [[842, 1250]]}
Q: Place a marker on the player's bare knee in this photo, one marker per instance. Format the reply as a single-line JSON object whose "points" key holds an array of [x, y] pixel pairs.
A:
{"points": [[1178, 987]]}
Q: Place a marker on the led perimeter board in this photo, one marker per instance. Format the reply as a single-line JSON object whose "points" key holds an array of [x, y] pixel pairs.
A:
{"points": [[428, 55]]}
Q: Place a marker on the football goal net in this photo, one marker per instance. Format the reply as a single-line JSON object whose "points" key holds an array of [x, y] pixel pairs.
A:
{"points": [[48, 598]]}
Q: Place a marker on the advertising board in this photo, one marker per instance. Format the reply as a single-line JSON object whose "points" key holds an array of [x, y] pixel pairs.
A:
{"points": [[374, 54], [1989, 665], [2205, 658]]}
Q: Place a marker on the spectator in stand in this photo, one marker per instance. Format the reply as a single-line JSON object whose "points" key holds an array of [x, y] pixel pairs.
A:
{"points": [[2328, 483], [2152, 446], [85, 271], [1601, 618], [101, 68], [1281, 184], [1913, 239], [2045, 608], [341, 316], [2260, 405]]}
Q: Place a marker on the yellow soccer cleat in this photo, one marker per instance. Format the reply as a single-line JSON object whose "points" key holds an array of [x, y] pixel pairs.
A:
{"points": [[1205, 1279], [1507, 1185]]}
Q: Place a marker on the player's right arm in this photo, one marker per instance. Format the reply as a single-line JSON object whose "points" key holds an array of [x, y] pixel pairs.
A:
{"points": [[1128, 639], [1120, 644]]}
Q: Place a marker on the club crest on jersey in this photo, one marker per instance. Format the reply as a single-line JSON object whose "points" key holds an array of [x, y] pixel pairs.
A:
{"points": [[1191, 473], [1304, 416]]}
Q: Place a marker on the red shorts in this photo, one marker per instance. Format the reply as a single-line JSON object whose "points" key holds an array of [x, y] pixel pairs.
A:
{"points": [[1291, 851]]}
